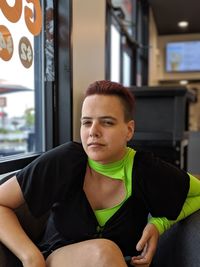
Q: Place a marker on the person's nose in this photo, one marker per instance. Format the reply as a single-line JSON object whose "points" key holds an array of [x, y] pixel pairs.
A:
{"points": [[95, 130]]}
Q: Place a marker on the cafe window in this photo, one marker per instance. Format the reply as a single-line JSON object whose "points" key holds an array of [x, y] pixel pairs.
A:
{"points": [[30, 87], [121, 44], [19, 37], [115, 54], [127, 41]]}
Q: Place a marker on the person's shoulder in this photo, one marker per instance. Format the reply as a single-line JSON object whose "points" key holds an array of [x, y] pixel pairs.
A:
{"points": [[145, 158], [71, 146], [142, 156], [147, 162], [69, 150]]}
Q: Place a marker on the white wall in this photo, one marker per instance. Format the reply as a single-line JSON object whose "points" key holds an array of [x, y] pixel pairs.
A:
{"points": [[88, 44]]}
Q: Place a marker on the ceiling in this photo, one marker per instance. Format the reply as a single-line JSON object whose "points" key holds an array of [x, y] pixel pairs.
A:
{"points": [[167, 13]]}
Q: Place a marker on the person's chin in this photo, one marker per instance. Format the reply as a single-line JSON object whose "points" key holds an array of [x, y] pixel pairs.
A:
{"points": [[96, 154]]}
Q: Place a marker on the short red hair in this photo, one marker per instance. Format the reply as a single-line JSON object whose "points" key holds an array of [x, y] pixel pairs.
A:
{"points": [[116, 89]]}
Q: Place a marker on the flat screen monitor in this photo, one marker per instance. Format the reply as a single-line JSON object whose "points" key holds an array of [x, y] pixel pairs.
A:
{"points": [[183, 56]]}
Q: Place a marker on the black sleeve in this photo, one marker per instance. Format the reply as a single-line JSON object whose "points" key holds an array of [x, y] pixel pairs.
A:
{"points": [[49, 178], [163, 186]]}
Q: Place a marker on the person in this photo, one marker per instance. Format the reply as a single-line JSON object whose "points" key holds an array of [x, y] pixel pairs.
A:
{"points": [[108, 203]]}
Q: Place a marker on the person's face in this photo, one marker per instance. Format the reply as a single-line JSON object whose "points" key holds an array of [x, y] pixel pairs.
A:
{"points": [[104, 132]]}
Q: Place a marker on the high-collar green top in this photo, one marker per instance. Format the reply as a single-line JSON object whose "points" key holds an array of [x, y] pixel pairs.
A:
{"points": [[121, 170]]}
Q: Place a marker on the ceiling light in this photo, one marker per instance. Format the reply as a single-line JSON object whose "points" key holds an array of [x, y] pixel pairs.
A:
{"points": [[183, 24], [183, 82]]}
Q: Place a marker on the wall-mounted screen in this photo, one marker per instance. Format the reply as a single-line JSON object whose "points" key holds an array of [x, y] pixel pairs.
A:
{"points": [[183, 56]]}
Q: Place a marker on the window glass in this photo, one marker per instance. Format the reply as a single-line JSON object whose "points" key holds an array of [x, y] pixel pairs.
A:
{"points": [[126, 69], [20, 79], [115, 54], [122, 41]]}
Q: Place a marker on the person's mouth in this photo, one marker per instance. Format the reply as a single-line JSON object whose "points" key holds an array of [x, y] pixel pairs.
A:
{"points": [[95, 144]]}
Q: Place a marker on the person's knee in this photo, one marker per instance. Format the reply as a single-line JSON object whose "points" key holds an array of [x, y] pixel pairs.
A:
{"points": [[106, 251], [94, 252]]}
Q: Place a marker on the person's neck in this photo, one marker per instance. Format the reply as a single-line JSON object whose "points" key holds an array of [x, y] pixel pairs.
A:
{"points": [[113, 170], [96, 176]]}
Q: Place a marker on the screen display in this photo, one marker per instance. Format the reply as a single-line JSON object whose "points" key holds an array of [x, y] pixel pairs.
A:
{"points": [[183, 56]]}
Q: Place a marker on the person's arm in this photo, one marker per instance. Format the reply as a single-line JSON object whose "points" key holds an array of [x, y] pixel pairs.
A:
{"points": [[156, 225], [192, 204], [12, 234], [147, 246]]}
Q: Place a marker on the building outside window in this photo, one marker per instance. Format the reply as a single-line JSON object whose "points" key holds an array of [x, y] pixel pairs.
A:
{"points": [[19, 37]]}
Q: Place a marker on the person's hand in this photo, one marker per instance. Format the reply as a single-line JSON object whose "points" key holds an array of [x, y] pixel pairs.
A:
{"points": [[147, 245]]}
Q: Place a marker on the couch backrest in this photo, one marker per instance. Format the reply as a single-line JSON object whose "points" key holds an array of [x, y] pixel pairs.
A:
{"points": [[180, 245]]}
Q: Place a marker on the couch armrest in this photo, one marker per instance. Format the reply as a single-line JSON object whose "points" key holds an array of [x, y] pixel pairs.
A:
{"points": [[2, 256], [7, 258], [180, 245], [32, 226]]}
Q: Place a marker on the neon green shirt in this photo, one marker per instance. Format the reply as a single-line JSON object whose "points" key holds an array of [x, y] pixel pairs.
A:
{"points": [[121, 170], [192, 204]]}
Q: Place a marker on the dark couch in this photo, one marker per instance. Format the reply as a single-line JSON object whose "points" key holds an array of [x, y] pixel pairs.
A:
{"points": [[178, 247]]}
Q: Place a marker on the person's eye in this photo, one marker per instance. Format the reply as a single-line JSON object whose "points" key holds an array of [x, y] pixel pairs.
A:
{"points": [[86, 123], [108, 122]]}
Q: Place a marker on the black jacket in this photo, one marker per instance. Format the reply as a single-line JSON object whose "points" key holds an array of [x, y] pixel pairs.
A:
{"points": [[55, 181]]}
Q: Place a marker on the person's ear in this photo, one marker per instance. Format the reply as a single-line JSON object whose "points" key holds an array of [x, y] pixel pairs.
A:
{"points": [[131, 128]]}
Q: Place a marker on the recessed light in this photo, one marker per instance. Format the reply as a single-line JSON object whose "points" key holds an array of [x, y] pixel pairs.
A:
{"points": [[183, 24], [183, 82]]}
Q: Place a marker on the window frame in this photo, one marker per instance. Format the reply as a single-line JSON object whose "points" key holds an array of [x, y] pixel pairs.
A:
{"points": [[56, 104], [142, 35], [129, 45]]}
